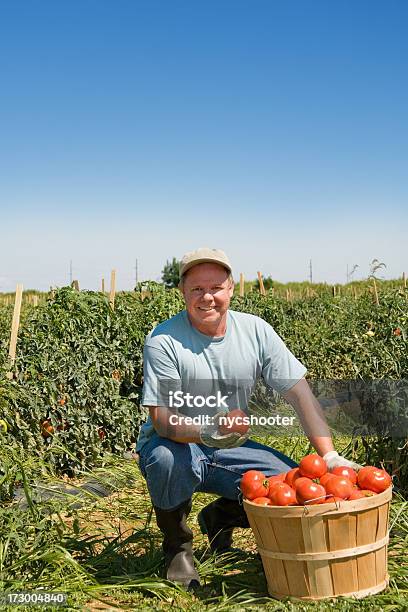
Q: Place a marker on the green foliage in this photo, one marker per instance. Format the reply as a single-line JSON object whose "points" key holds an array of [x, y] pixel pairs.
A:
{"points": [[267, 282], [107, 554], [79, 364], [170, 273]]}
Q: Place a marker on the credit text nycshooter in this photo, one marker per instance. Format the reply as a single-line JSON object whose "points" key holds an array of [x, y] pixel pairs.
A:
{"points": [[253, 419]]}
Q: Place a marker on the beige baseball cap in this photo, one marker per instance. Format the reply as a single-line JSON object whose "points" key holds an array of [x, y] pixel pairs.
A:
{"points": [[203, 255]]}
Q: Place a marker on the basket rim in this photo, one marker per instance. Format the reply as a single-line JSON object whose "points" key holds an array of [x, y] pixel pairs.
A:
{"points": [[343, 507]]}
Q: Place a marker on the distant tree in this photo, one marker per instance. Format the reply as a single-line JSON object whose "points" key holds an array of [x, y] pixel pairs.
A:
{"points": [[170, 273]]}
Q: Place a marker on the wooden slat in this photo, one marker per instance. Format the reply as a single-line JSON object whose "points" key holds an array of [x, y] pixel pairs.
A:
{"points": [[261, 285], [112, 289], [342, 531], [367, 526], [288, 534], [366, 571], [375, 293], [381, 565], [274, 568], [315, 540], [382, 524], [14, 327], [276, 576], [296, 573], [241, 285]]}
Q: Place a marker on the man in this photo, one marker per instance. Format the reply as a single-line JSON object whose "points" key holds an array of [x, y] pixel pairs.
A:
{"points": [[217, 348]]}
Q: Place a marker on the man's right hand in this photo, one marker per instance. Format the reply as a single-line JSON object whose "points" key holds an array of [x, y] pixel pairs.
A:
{"points": [[210, 435]]}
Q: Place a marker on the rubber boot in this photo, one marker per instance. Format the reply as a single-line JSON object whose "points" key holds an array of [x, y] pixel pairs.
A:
{"points": [[178, 545], [218, 520]]}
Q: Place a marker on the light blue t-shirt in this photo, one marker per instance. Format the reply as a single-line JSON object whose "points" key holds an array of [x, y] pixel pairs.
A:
{"points": [[178, 357]]}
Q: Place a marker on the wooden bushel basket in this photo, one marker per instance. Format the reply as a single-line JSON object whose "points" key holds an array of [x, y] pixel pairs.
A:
{"points": [[326, 550]]}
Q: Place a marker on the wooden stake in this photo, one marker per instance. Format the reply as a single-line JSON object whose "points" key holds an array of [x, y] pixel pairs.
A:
{"points": [[14, 327], [404, 280], [261, 285], [334, 290], [375, 292], [354, 292], [241, 285], [103, 285], [75, 285], [112, 289], [35, 301]]}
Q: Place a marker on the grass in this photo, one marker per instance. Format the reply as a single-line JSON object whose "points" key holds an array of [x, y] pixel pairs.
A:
{"points": [[105, 554]]}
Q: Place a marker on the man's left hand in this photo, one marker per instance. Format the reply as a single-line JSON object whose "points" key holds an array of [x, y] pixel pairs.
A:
{"points": [[333, 459]]}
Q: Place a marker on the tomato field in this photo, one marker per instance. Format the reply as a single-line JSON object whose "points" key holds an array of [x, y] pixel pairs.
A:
{"points": [[72, 410]]}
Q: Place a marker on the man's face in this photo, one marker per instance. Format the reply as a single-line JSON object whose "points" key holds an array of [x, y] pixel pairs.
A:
{"points": [[207, 293]]}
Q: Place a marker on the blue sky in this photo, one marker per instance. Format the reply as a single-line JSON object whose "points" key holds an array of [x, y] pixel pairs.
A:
{"points": [[274, 130]]}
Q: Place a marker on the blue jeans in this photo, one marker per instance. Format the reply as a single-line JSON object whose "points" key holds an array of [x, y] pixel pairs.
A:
{"points": [[175, 471]]}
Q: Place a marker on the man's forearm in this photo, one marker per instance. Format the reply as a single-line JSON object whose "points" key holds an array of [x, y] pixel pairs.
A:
{"points": [[311, 416], [177, 431]]}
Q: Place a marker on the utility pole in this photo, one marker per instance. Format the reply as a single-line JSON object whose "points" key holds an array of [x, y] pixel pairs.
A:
{"points": [[310, 272], [70, 272], [136, 274]]}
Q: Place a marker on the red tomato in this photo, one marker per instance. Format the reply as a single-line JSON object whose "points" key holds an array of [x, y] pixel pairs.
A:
{"points": [[47, 428], [300, 480], [291, 476], [346, 472], [101, 433], [312, 466], [374, 479], [236, 420], [367, 492], [356, 494], [339, 487], [282, 495], [323, 480], [254, 484], [309, 491], [262, 501], [273, 480]]}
